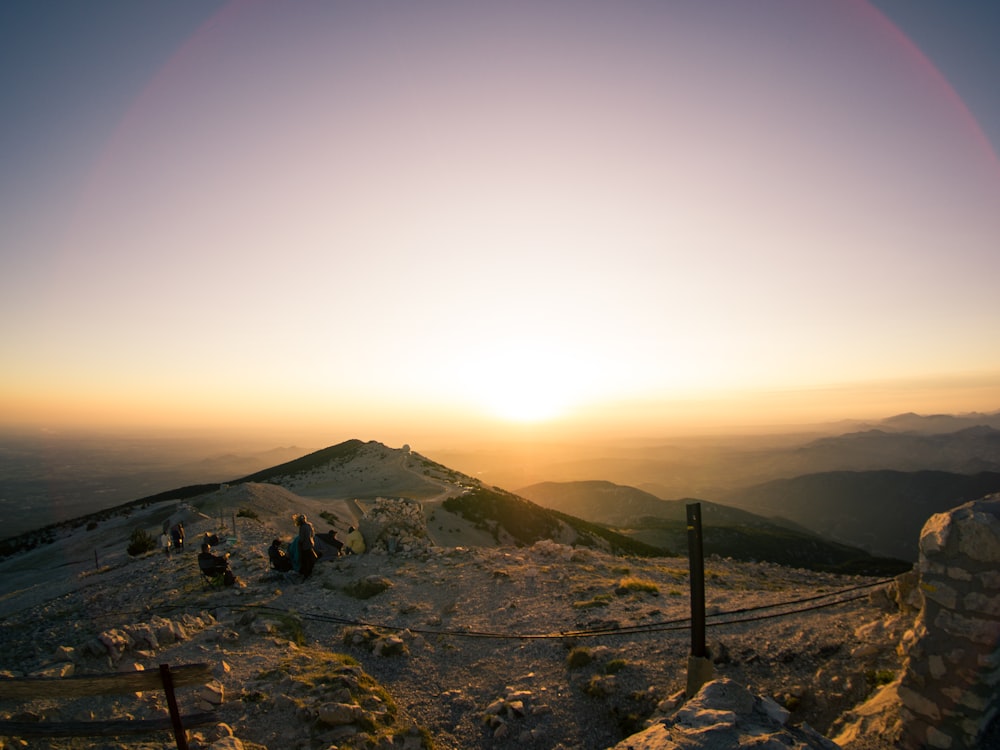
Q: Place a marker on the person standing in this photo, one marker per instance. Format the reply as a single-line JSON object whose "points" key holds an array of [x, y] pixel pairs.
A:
{"points": [[165, 543], [307, 545]]}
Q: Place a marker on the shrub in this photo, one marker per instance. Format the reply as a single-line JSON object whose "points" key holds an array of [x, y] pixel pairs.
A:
{"points": [[579, 657], [636, 585], [366, 588], [290, 626], [598, 686], [599, 600], [140, 543], [247, 513]]}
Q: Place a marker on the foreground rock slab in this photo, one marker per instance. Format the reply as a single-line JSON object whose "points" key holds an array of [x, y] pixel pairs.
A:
{"points": [[726, 715]]}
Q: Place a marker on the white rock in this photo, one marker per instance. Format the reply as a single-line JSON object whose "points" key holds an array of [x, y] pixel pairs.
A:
{"points": [[776, 713], [335, 714]]}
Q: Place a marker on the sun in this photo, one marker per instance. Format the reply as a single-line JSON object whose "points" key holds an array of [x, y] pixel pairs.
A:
{"points": [[525, 382], [524, 402]]}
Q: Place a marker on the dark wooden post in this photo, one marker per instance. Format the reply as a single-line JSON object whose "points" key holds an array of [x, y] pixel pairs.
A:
{"points": [[175, 714], [699, 665], [696, 566]]}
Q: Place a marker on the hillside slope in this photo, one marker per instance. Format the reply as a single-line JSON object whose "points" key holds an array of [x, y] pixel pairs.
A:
{"points": [[464, 647], [881, 511], [727, 531]]}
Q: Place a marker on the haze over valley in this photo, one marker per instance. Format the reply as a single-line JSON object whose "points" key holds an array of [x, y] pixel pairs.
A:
{"points": [[870, 488]]}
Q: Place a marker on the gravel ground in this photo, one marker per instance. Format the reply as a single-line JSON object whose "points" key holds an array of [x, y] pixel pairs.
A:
{"points": [[590, 644]]}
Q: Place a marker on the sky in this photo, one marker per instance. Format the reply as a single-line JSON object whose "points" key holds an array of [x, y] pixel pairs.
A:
{"points": [[385, 219]]}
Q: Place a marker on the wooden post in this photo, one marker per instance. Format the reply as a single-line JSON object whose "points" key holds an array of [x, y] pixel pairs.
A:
{"points": [[175, 714], [699, 665]]}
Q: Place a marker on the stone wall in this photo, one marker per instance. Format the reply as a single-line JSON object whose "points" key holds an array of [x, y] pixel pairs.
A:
{"points": [[949, 688]]}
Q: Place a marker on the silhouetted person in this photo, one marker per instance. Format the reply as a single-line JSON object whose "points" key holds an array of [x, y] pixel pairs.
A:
{"points": [[307, 545], [215, 565], [280, 560], [177, 535]]}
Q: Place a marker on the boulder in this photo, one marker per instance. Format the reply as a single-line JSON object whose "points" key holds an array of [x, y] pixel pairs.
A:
{"points": [[726, 714]]}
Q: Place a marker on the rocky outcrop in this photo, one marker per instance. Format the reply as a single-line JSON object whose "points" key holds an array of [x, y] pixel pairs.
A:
{"points": [[395, 526], [949, 689], [725, 714]]}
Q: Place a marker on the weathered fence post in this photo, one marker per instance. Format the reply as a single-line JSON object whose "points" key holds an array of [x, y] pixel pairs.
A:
{"points": [[699, 665], [180, 737]]}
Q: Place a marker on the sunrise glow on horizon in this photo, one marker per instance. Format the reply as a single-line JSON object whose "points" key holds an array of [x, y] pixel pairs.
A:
{"points": [[606, 216]]}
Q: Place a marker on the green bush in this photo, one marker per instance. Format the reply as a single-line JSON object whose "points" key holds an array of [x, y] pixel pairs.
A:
{"points": [[636, 585], [366, 588], [579, 657], [290, 626], [140, 543], [598, 686], [599, 600]]}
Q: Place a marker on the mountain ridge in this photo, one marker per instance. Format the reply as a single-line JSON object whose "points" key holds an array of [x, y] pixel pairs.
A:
{"points": [[355, 470], [880, 510], [489, 618], [728, 531]]}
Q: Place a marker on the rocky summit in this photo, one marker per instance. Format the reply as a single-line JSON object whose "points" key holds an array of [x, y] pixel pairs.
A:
{"points": [[446, 634]]}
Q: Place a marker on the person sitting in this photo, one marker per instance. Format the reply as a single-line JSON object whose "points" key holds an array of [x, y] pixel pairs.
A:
{"points": [[213, 566], [355, 542], [280, 560], [327, 544]]}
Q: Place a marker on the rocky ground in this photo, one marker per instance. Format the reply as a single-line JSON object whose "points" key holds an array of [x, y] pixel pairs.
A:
{"points": [[449, 647]]}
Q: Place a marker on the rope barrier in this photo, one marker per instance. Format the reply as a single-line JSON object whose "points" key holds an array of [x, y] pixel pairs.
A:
{"points": [[717, 619]]}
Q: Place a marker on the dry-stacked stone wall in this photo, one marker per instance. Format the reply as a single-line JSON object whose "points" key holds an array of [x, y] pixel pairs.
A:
{"points": [[949, 689]]}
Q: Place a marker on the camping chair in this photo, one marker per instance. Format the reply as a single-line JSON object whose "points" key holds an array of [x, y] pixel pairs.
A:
{"points": [[212, 579], [212, 576]]}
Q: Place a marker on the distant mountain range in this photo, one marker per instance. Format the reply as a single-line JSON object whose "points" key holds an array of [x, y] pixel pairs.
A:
{"points": [[717, 471], [937, 423], [966, 451], [823, 501], [881, 511], [727, 531]]}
